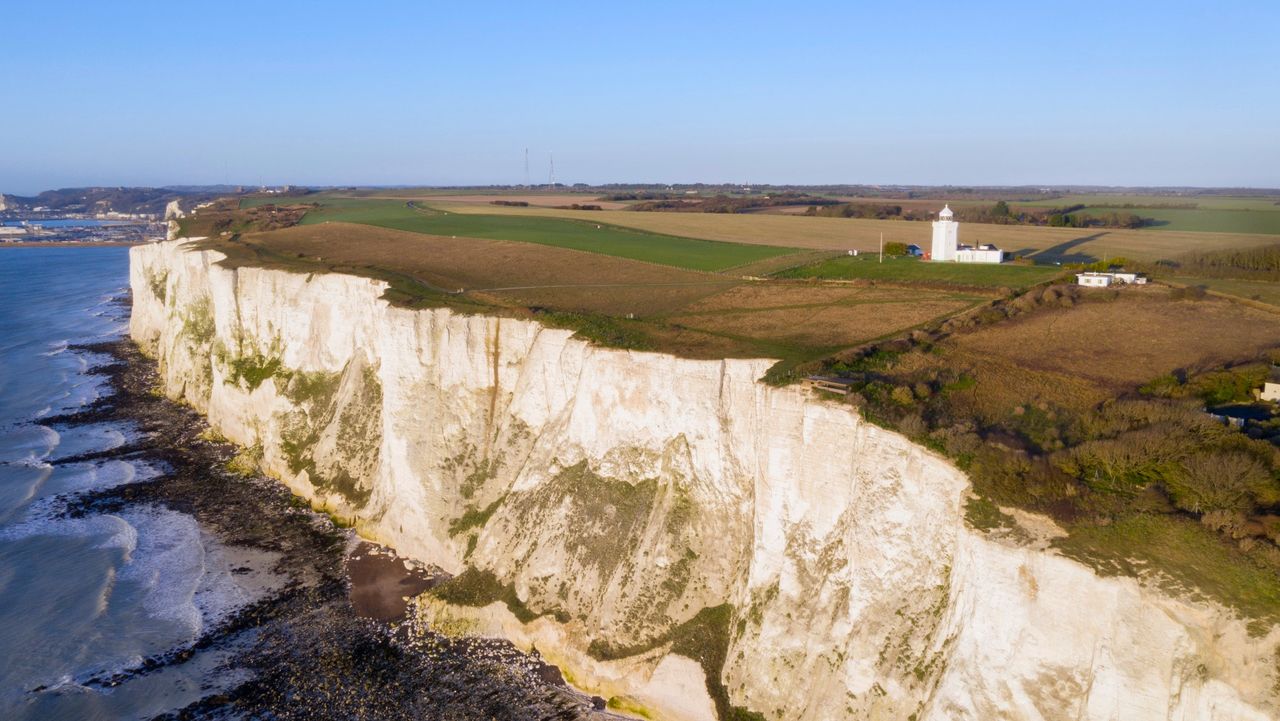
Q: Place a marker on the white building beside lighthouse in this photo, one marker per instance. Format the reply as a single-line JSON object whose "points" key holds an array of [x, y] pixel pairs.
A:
{"points": [[947, 247]]}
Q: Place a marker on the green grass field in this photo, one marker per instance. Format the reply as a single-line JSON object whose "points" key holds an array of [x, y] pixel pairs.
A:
{"points": [[867, 267], [1211, 214], [692, 253], [1204, 220], [1202, 202]]}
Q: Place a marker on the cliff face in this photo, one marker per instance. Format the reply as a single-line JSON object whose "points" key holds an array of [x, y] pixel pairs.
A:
{"points": [[632, 497]]}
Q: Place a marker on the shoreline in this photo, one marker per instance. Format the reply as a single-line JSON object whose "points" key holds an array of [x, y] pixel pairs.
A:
{"points": [[332, 643]]}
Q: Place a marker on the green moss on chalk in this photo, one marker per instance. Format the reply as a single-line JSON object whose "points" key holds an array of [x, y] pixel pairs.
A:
{"points": [[704, 638], [197, 321], [158, 282], [353, 416], [477, 588], [474, 517]]}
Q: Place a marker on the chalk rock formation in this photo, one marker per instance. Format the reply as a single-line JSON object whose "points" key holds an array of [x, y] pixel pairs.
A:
{"points": [[654, 509], [173, 211]]}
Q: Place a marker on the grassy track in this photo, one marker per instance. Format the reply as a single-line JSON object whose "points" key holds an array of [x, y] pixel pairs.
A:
{"points": [[603, 238], [910, 269]]}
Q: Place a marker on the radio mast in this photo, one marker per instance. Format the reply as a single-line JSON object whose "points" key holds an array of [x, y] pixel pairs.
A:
{"points": [[526, 167]]}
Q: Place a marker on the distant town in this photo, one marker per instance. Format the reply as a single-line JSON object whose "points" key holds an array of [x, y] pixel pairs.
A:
{"points": [[109, 227]]}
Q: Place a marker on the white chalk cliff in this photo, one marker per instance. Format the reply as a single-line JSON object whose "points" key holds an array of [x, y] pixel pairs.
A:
{"points": [[621, 493]]}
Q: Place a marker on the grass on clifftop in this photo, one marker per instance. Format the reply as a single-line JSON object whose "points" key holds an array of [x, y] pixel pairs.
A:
{"points": [[908, 269], [1184, 556], [610, 301], [691, 253]]}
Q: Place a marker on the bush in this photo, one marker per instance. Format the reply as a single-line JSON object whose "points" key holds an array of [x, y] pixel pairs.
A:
{"points": [[1233, 482], [1229, 386]]}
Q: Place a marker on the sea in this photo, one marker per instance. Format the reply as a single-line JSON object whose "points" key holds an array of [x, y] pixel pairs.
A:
{"points": [[116, 603], [85, 597]]}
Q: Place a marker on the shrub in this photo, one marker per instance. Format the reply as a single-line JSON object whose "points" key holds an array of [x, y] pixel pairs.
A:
{"points": [[903, 396], [1231, 482], [1229, 386]]}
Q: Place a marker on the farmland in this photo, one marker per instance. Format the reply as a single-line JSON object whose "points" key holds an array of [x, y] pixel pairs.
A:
{"points": [[486, 270], [1206, 202], [1205, 220], [909, 269], [1261, 291], [1084, 340], [1043, 393], [611, 299], [1216, 223], [607, 239], [1193, 213], [1044, 244]]}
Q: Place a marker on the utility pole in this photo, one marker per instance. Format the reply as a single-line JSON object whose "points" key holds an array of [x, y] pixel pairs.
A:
{"points": [[882, 247]]}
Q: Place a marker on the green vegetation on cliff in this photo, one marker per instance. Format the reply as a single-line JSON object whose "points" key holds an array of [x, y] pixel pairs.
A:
{"points": [[477, 588], [1048, 410], [705, 638], [339, 413]]}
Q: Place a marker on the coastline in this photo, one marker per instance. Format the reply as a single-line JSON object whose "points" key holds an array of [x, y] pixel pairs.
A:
{"points": [[331, 642]]}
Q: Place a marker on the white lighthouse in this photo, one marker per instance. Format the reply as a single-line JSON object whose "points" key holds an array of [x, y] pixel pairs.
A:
{"points": [[947, 248], [946, 233]]}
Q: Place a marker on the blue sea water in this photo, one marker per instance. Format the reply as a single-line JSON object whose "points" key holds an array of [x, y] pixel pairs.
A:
{"points": [[83, 598]]}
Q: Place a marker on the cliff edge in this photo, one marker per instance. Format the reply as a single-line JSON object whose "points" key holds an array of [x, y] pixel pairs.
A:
{"points": [[645, 518]]}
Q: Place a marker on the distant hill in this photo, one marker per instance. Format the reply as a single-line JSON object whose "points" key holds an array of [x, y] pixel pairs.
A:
{"points": [[118, 199]]}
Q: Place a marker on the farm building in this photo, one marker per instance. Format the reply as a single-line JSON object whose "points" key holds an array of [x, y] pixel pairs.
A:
{"points": [[947, 247], [1270, 390], [1092, 279]]}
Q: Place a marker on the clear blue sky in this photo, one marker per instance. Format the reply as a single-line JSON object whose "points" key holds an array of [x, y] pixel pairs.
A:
{"points": [[1150, 93]]}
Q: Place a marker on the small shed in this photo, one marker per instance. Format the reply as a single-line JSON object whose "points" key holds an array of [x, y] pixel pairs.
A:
{"points": [[1270, 390]]}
